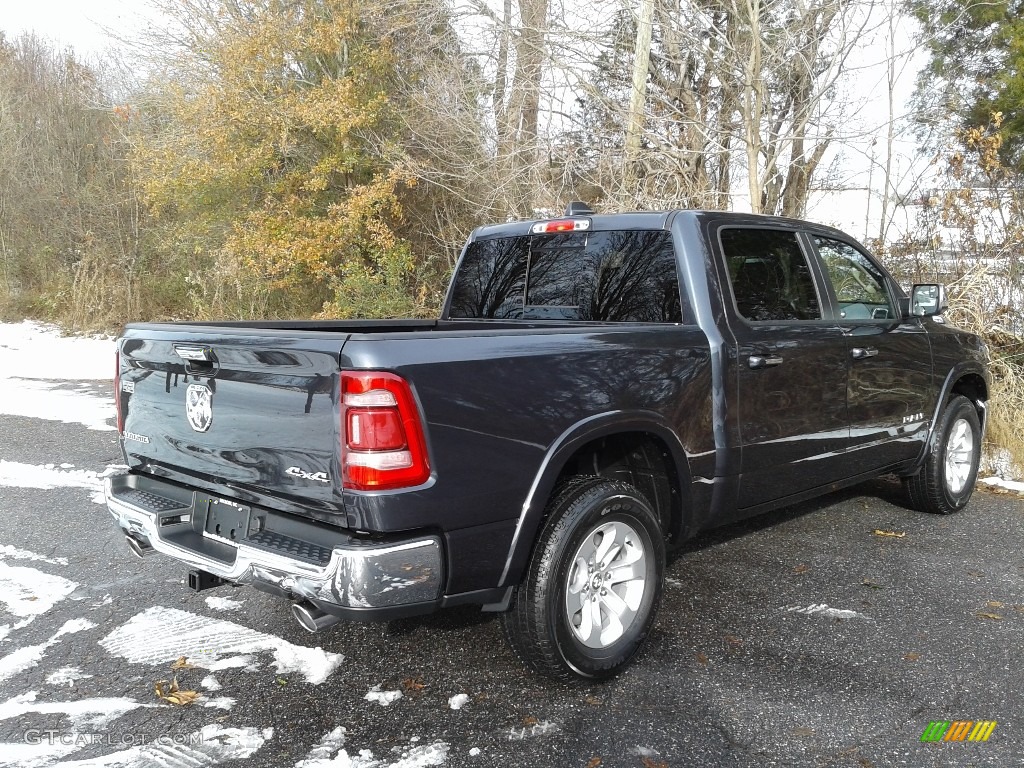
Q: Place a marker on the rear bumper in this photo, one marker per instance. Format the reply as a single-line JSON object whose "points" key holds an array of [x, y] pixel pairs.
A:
{"points": [[341, 574]]}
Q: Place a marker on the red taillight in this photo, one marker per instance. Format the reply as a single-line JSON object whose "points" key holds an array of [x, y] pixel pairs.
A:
{"points": [[117, 391], [382, 443]]}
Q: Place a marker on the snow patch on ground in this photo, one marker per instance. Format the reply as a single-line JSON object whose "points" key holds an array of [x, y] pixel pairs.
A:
{"points": [[66, 676], [28, 592], [40, 351], [49, 476], [458, 701], [36, 362], [321, 756], [93, 713], [822, 609], [998, 482], [210, 683], [28, 755], [421, 757], [234, 662], [384, 698], [542, 728], [29, 656], [221, 702], [210, 746], [8, 551], [329, 754], [999, 462], [159, 635], [223, 603], [44, 400]]}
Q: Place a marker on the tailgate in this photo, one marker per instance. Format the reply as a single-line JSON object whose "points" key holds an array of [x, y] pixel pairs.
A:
{"points": [[251, 407]]}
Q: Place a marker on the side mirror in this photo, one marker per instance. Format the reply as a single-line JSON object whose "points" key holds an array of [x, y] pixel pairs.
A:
{"points": [[928, 300]]}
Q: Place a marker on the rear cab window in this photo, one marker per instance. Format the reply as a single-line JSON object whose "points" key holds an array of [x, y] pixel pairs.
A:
{"points": [[618, 276]]}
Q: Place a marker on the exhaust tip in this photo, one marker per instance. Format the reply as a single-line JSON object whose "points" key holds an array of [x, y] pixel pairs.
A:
{"points": [[311, 618], [138, 549]]}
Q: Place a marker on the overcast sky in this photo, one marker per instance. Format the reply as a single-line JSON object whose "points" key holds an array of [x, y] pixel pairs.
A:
{"points": [[81, 24]]}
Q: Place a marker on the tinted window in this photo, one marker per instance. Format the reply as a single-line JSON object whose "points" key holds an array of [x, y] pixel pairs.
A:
{"points": [[769, 275], [598, 276], [491, 279], [857, 282]]}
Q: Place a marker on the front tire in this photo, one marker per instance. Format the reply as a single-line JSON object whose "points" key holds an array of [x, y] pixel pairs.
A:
{"points": [[592, 588], [946, 481]]}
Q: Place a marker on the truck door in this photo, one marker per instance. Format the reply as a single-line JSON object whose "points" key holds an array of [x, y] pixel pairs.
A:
{"points": [[890, 359], [792, 366]]}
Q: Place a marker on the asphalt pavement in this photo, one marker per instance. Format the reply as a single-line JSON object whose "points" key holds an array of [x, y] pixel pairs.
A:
{"points": [[800, 638]]}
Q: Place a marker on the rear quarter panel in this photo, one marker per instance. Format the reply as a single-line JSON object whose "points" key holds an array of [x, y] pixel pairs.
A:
{"points": [[495, 403]]}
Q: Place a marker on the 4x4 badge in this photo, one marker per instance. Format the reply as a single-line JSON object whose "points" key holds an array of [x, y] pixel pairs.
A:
{"points": [[199, 407]]}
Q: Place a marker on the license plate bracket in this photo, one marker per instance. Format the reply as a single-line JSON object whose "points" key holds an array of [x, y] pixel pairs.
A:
{"points": [[226, 520]]}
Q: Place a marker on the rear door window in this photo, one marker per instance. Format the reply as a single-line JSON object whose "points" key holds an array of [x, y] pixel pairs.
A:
{"points": [[770, 278], [611, 276]]}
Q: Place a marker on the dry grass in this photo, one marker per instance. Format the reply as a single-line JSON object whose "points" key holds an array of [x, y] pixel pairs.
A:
{"points": [[986, 302]]}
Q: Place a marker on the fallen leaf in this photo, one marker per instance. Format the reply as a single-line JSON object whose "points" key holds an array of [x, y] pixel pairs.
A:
{"points": [[593, 762], [530, 720], [650, 762], [182, 663], [702, 658], [893, 534], [994, 604], [735, 642], [912, 656], [993, 616], [803, 730], [872, 584], [32, 598], [801, 569], [593, 701], [413, 684], [182, 698], [172, 694], [282, 681], [976, 574]]}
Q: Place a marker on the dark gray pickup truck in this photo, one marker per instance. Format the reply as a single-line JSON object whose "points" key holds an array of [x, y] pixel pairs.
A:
{"points": [[598, 389]]}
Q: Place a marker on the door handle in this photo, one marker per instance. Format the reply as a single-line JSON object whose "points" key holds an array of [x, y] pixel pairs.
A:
{"points": [[763, 361], [860, 353]]}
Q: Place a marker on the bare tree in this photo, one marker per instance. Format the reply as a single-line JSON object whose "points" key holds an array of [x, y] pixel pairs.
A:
{"points": [[69, 219], [739, 92]]}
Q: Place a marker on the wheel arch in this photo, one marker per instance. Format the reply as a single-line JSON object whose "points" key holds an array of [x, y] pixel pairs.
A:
{"points": [[661, 470], [969, 379]]}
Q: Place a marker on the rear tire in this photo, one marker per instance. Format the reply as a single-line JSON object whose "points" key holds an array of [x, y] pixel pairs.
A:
{"points": [[946, 481], [592, 588]]}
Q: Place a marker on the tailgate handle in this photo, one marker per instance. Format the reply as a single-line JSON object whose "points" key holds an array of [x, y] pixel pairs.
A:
{"points": [[194, 353], [197, 359]]}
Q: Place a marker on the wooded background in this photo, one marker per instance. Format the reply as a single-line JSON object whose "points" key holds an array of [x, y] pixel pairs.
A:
{"points": [[328, 158]]}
